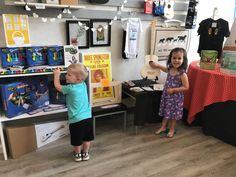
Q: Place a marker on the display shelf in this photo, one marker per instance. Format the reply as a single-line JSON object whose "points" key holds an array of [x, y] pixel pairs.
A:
{"points": [[25, 116], [27, 74], [44, 6], [32, 71]]}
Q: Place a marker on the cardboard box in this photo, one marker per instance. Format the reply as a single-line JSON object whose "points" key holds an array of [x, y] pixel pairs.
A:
{"points": [[21, 140], [69, 2], [24, 96], [16, 98], [49, 132]]}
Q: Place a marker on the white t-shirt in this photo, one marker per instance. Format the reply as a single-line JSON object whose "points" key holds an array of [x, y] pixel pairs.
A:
{"points": [[133, 27]]}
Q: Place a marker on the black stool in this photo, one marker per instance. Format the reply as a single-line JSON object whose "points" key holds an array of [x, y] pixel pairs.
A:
{"points": [[101, 111]]}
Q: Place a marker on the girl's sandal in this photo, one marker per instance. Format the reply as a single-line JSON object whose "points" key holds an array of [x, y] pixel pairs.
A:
{"points": [[160, 132], [171, 135]]}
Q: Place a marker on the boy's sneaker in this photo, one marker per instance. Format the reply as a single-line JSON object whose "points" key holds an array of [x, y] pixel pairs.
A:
{"points": [[77, 157], [85, 156]]}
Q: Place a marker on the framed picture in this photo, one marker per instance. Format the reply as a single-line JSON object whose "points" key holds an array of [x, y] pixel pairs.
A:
{"points": [[77, 33], [168, 39], [100, 32]]}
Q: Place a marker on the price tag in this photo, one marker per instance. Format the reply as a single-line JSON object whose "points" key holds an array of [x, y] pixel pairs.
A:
{"points": [[40, 6], [214, 25]]}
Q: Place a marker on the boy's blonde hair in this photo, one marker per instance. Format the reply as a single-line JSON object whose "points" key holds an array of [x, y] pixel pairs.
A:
{"points": [[79, 70]]}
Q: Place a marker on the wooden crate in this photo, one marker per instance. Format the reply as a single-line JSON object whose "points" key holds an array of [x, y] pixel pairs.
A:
{"points": [[117, 85]]}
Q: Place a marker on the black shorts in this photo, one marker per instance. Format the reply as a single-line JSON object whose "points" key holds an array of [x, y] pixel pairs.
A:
{"points": [[81, 131]]}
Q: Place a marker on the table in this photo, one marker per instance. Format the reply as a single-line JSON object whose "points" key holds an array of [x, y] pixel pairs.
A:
{"points": [[212, 95], [147, 103], [207, 87]]}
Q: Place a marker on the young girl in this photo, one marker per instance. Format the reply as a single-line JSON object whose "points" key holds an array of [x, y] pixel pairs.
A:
{"points": [[171, 105], [79, 110]]}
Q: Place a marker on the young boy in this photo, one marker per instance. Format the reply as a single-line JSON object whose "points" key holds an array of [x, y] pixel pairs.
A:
{"points": [[79, 110]]}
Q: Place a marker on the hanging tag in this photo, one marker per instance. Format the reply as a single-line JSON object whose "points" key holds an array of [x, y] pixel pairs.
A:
{"points": [[214, 25], [40, 6]]}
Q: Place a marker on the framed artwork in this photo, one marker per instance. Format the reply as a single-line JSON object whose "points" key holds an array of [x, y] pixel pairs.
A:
{"points": [[100, 32], [16, 29], [77, 33], [168, 39]]}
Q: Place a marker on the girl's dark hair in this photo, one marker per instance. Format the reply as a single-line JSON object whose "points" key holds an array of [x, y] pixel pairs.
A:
{"points": [[185, 59]]}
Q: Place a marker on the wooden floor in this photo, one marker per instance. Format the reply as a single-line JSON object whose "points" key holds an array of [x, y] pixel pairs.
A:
{"points": [[117, 154]]}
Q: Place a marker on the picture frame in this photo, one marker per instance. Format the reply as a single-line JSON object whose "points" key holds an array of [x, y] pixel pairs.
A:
{"points": [[77, 33], [168, 39], [100, 33]]}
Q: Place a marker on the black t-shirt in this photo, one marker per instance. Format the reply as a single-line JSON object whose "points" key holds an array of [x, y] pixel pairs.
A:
{"points": [[212, 33]]}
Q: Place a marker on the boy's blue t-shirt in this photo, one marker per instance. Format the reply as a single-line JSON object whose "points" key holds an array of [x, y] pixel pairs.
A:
{"points": [[77, 102]]}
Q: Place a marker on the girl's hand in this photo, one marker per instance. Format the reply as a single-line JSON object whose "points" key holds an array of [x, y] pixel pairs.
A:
{"points": [[153, 64], [170, 91]]}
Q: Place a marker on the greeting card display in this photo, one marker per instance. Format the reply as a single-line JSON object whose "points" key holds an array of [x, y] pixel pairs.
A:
{"points": [[12, 57], [36, 56], [55, 55], [71, 55]]}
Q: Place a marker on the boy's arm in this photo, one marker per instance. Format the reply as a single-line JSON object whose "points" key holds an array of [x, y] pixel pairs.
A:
{"points": [[57, 82]]}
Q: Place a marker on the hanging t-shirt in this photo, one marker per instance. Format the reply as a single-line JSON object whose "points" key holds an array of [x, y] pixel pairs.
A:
{"points": [[133, 28], [212, 33]]}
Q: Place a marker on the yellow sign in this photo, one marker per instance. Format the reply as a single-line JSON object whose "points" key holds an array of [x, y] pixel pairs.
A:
{"points": [[100, 67], [16, 28]]}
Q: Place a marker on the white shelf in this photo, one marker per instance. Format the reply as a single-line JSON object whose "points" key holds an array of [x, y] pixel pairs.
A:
{"points": [[44, 6], [24, 116], [27, 74]]}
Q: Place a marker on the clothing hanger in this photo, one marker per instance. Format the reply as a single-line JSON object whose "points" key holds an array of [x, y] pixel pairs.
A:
{"points": [[173, 23], [215, 15]]}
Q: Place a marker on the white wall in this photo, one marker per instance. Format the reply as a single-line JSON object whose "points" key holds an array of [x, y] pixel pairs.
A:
{"points": [[54, 33]]}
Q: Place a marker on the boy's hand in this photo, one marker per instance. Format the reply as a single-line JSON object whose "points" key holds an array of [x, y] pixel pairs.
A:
{"points": [[57, 71], [57, 83]]}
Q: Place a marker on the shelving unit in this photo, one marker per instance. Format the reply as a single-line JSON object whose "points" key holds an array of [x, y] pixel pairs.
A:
{"points": [[4, 119], [26, 74], [44, 6]]}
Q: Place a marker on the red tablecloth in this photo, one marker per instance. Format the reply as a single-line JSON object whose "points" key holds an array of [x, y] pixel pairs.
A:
{"points": [[207, 87]]}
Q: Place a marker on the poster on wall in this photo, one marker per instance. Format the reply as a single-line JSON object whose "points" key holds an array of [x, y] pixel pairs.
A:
{"points": [[168, 39], [100, 67], [16, 29]]}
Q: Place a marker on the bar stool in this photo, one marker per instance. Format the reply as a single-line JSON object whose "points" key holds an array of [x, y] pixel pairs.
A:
{"points": [[112, 109]]}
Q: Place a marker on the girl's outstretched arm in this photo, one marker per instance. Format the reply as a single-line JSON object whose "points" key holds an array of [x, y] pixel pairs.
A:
{"points": [[157, 65]]}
